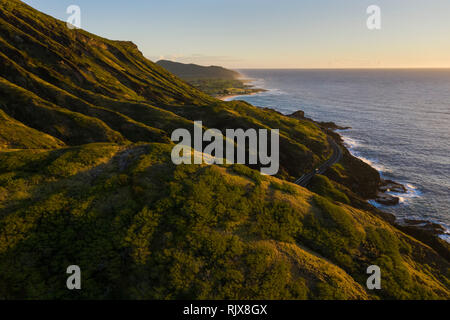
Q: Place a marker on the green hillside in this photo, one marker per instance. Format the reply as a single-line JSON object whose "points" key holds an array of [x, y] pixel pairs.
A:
{"points": [[143, 228], [15, 135], [213, 80], [86, 178], [90, 89], [195, 71]]}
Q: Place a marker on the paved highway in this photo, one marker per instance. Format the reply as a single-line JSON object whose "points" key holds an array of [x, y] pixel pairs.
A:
{"points": [[335, 157]]}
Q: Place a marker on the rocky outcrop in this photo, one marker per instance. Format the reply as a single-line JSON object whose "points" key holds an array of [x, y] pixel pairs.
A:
{"points": [[332, 126], [427, 232], [387, 199], [389, 186], [392, 186], [300, 115]]}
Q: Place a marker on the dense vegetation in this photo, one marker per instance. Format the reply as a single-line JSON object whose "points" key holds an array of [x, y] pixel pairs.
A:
{"points": [[140, 227], [86, 178]]}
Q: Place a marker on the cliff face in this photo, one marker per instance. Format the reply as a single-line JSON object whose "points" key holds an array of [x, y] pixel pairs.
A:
{"points": [[93, 184]]}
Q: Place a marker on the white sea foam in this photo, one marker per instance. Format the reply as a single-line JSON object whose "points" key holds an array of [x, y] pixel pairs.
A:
{"points": [[445, 237], [404, 198], [411, 193], [379, 167], [350, 143], [268, 92], [410, 186]]}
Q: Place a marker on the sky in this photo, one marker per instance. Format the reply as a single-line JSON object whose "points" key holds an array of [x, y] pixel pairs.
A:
{"points": [[273, 33]]}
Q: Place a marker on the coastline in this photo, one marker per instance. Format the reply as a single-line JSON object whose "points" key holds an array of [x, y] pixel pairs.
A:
{"points": [[229, 97], [438, 228], [432, 233], [252, 90], [427, 231]]}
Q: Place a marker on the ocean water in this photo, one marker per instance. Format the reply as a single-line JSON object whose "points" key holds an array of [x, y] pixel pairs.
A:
{"points": [[400, 122]]}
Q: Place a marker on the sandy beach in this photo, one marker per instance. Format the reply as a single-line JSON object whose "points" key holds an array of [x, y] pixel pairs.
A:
{"points": [[227, 98]]}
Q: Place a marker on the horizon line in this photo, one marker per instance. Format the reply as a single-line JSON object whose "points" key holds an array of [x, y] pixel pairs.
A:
{"points": [[305, 68], [346, 68]]}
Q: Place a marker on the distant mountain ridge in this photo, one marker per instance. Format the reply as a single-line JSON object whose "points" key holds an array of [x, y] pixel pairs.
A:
{"points": [[216, 81], [195, 71]]}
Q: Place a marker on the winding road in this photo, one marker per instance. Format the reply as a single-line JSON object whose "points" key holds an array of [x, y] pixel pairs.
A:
{"points": [[335, 157]]}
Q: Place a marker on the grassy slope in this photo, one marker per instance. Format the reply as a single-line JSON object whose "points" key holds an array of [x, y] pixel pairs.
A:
{"points": [[15, 135], [114, 91], [213, 80], [140, 227]]}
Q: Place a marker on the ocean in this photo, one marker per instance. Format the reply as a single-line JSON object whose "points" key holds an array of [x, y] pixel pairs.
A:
{"points": [[399, 119]]}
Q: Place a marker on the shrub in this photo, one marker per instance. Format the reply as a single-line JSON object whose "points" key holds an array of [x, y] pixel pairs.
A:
{"points": [[284, 187], [324, 187], [247, 172]]}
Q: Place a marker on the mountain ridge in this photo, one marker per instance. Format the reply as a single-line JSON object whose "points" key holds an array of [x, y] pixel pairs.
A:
{"points": [[195, 71], [213, 80]]}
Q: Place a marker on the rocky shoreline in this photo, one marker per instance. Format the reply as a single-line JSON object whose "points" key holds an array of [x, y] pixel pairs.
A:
{"points": [[381, 195], [426, 231], [384, 186], [384, 198]]}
